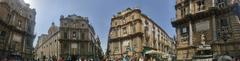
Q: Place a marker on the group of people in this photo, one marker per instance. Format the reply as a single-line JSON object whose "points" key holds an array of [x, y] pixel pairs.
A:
{"points": [[126, 59], [11, 58], [63, 59]]}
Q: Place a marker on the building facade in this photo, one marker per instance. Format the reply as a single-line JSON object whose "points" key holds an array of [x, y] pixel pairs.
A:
{"points": [[17, 22], [38, 50], [74, 39], [210, 22], [48, 45], [134, 35]]}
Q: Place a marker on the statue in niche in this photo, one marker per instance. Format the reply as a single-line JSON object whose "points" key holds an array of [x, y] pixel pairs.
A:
{"points": [[203, 39]]}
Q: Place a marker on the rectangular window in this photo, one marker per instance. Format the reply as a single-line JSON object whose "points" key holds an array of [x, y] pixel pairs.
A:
{"points": [[74, 35], [9, 17], [146, 23], [201, 5], [224, 22], [65, 35], [184, 31], [82, 46], [124, 30], [146, 29], [83, 25], [19, 23], [133, 26], [116, 24], [117, 32], [133, 17], [116, 49], [182, 12], [30, 28], [221, 3], [82, 36], [2, 33], [153, 28]]}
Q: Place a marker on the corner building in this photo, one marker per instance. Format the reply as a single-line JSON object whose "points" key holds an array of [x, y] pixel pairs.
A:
{"points": [[17, 22], [213, 21], [74, 39], [134, 35]]}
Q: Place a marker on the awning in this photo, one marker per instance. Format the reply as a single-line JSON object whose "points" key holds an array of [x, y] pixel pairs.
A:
{"points": [[154, 52], [157, 52], [164, 55], [225, 58]]}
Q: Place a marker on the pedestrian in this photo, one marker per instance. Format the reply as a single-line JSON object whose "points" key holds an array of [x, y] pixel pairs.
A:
{"points": [[54, 58], [61, 59], [79, 59], [4, 59], [141, 58]]}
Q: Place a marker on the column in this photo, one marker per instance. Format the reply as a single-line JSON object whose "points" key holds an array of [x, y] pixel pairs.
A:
{"points": [[214, 28], [190, 32], [213, 3], [190, 7]]}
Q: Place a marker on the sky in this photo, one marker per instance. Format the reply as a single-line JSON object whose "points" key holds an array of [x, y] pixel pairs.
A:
{"points": [[99, 13]]}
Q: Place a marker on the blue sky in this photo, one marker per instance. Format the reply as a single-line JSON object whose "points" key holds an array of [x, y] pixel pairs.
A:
{"points": [[100, 12]]}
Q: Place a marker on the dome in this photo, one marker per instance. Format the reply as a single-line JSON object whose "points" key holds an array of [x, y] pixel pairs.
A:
{"points": [[53, 29]]}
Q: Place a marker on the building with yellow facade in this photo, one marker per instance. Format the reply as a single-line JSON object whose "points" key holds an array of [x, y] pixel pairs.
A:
{"points": [[133, 35], [74, 39], [209, 22]]}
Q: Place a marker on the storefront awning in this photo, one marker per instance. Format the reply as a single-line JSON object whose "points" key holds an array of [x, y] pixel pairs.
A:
{"points": [[224, 58]]}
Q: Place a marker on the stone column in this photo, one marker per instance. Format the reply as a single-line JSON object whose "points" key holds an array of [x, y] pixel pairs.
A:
{"points": [[214, 27], [213, 3], [190, 6], [190, 33]]}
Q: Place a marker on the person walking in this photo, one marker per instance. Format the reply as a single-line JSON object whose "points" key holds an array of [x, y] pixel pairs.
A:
{"points": [[61, 59]]}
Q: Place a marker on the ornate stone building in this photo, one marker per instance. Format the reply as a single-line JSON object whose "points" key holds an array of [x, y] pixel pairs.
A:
{"points": [[212, 22], [17, 22], [134, 35], [74, 39], [48, 45], [38, 50]]}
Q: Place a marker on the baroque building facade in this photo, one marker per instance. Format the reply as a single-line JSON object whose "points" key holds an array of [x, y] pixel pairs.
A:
{"points": [[17, 22], [133, 35], [74, 39], [212, 22]]}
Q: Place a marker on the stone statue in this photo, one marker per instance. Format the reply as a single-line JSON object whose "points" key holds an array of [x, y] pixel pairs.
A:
{"points": [[203, 38]]}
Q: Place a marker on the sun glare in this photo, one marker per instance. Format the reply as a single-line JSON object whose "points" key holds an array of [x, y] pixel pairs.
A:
{"points": [[27, 1]]}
